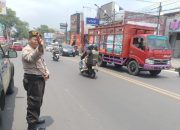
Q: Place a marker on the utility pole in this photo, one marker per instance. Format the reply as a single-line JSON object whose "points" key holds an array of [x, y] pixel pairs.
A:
{"points": [[159, 15]]}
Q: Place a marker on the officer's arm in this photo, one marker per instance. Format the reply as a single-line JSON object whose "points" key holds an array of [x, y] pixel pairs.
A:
{"points": [[32, 56]]}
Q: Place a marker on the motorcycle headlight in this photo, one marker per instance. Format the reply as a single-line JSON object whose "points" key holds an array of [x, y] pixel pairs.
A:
{"points": [[148, 61]]}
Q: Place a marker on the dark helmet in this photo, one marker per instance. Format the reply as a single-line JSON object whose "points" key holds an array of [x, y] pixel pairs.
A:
{"points": [[90, 46], [95, 47]]}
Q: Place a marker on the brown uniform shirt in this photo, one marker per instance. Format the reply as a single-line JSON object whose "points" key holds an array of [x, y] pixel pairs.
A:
{"points": [[32, 60]]}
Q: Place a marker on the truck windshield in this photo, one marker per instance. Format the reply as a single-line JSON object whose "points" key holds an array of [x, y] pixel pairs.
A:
{"points": [[158, 42]]}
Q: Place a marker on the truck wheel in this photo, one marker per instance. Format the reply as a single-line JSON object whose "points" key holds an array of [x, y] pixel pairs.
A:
{"points": [[154, 72], [2, 100], [101, 63], [133, 67]]}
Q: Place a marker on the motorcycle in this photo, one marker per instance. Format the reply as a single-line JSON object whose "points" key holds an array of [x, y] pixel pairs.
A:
{"points": [[56, 56], [88, 71]]}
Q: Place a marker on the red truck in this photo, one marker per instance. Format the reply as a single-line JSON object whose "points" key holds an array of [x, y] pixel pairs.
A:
{"points": [[134, 46]]}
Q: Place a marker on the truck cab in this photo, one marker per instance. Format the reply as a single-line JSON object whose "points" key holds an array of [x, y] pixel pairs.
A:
{"points": [[151, 52]]}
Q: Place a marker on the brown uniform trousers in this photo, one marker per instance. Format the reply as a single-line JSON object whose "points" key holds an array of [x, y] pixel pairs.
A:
{"points": [[34, 85]]}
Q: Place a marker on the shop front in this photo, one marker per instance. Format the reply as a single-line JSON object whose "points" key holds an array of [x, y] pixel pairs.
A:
{"points": [[173, 32]]}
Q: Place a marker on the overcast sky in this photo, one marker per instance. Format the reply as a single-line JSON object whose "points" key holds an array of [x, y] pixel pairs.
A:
{"points": [[53, 12]]}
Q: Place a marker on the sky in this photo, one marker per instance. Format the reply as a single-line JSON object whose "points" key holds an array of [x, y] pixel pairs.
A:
{"points": [[54, 12]]}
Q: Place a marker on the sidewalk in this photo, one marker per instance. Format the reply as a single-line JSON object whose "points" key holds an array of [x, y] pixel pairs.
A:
{"points": [[175, 62]]}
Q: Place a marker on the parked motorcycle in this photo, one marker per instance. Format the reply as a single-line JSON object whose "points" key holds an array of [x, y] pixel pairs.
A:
{"points": [[88, 71]]}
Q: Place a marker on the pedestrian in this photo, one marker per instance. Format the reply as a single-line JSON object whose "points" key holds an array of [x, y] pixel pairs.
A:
{"points": [[35, 75]]}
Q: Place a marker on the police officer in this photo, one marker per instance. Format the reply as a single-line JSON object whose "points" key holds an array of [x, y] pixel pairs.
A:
{"points": [[35, 75]]}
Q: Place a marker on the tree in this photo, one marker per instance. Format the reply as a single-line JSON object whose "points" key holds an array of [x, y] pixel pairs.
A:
{"points": [[45, 29], [11, 21], [21, 30]]}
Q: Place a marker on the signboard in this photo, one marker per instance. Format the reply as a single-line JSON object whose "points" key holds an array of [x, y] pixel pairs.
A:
{"points": [[63, 25], [3, 7], [48, 35], [92, 21], [174, 25]]}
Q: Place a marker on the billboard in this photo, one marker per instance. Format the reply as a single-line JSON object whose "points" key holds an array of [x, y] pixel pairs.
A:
{"points": [[3, 7], [75, 23]]}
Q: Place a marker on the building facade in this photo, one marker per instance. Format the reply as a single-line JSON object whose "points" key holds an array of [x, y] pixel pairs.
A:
{"points": [[172, 30]]}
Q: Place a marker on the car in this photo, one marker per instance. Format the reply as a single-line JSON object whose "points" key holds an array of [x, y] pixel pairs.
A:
{"points": [[6, 73], [76, 50], [17, 46], [67, 50]]}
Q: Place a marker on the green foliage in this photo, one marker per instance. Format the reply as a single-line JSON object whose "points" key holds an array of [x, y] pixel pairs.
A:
{"points": [[11, 21], [45, 29]]}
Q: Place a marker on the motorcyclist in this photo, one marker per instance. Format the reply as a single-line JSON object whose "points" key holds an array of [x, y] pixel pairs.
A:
{"points": [[89, 56], [55, 50]]}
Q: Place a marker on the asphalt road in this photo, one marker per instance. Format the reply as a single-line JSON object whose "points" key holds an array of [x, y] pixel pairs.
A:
{"points": [[114, 100]]}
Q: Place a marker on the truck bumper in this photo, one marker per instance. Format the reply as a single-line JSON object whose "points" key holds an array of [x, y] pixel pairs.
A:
{"points": [[156, 67]]}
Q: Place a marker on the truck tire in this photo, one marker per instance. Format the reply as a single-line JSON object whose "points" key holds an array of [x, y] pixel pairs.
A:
{"points": [[133, 68], [2, 100], [101, 63], [154, 72]]}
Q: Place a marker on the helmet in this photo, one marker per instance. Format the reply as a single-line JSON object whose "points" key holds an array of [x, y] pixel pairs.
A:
{"points": [[95, 47], [90, 46]]}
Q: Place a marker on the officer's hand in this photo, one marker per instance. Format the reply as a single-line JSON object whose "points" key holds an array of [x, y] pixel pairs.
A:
{"points": [[46, 76], [40, 41]]}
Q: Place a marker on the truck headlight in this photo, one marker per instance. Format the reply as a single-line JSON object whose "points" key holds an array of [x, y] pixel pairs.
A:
{"points": [[148, 61]]}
